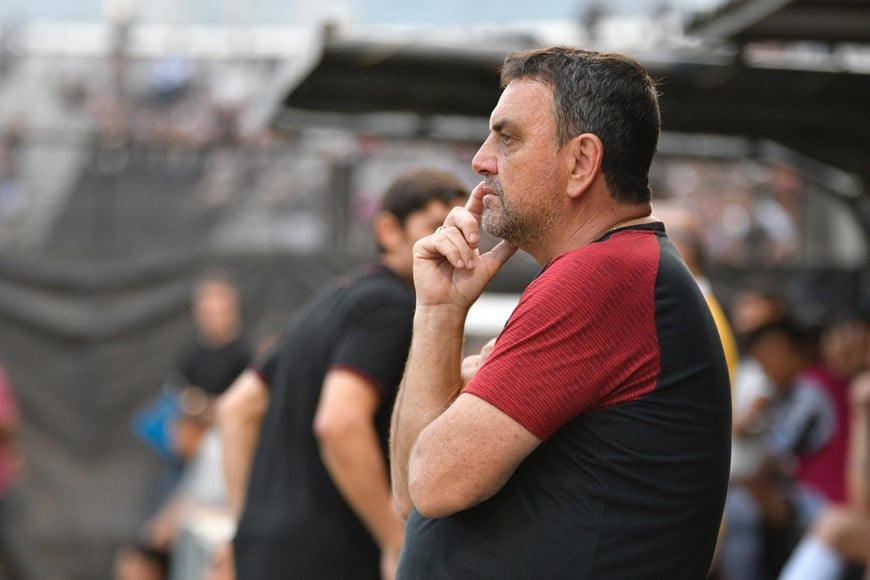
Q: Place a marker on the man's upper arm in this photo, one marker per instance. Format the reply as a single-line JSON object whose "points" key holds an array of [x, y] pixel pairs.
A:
{"points": [[376, 339], [465, 456], [346, 397], [247, 398]]}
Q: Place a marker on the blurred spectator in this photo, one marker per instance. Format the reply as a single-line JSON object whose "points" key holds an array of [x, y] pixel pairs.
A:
{"points": [[803, 416], [184, 113], [841, 535], [776, 235], [752, 390], [219, 353], [751, 211], [16, 562], [842, 348], [200, 490], [753, 499], [770, 506]]}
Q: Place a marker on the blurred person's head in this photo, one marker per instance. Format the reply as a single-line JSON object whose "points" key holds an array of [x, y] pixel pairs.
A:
{"points": [[216, 310], [845, 346], [751, 309], [781, 349], [413, 207]]}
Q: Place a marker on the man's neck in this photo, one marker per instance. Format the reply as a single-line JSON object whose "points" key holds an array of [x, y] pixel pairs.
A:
{"points": [[595, 224], [394, 264]]}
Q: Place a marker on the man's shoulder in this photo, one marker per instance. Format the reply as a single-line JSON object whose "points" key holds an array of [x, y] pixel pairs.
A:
{"points": [[621, 248], [379, 284], [612, 262]]}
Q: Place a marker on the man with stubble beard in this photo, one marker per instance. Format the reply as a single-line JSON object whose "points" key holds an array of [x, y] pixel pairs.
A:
{"points": [[594, 440]]}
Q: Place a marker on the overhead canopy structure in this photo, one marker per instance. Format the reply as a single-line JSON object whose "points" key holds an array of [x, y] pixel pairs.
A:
{"points": [[821, 114], [365, 76], [814, 20]]}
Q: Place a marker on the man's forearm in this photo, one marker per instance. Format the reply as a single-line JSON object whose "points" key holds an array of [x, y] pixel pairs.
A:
{"points": [[432, 377], [240, 443], [356, 464], [240, 413]]}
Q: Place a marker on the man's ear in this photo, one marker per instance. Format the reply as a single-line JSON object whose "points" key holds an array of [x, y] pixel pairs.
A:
{"points": [[388, 231], [585, 155]]}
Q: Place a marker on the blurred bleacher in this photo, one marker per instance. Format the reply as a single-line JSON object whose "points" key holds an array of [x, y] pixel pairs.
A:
{"points": [[126, 172]]}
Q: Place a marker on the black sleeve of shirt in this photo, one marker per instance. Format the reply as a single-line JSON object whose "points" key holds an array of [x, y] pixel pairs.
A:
{"points": [[375, 344], [266, 365]]}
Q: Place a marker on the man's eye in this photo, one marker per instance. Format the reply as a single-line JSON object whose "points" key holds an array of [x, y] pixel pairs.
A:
{"points": [[505, 138]]}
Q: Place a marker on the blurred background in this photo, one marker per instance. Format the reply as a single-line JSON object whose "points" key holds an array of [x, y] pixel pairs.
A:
{"points": [[144, 144]]}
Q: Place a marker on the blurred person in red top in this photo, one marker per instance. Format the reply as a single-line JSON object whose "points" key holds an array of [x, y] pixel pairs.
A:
{"points": [[802, 471], [840, 536], [841, 348], [15, 561], [766, 504]]}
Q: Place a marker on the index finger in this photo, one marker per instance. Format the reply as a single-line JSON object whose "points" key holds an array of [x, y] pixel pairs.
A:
{"points": [[467, 219], [474, 205]]}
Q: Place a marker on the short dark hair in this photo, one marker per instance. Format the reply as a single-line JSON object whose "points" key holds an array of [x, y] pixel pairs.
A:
{"points": [[797, 336], [607, 94], [416, 188]]}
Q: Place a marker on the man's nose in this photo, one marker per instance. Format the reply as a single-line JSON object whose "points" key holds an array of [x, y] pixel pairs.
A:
{"points": [[483, 162]]}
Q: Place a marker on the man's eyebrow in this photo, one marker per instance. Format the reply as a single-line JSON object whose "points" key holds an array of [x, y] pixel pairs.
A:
{"points": [[502, 124]]}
